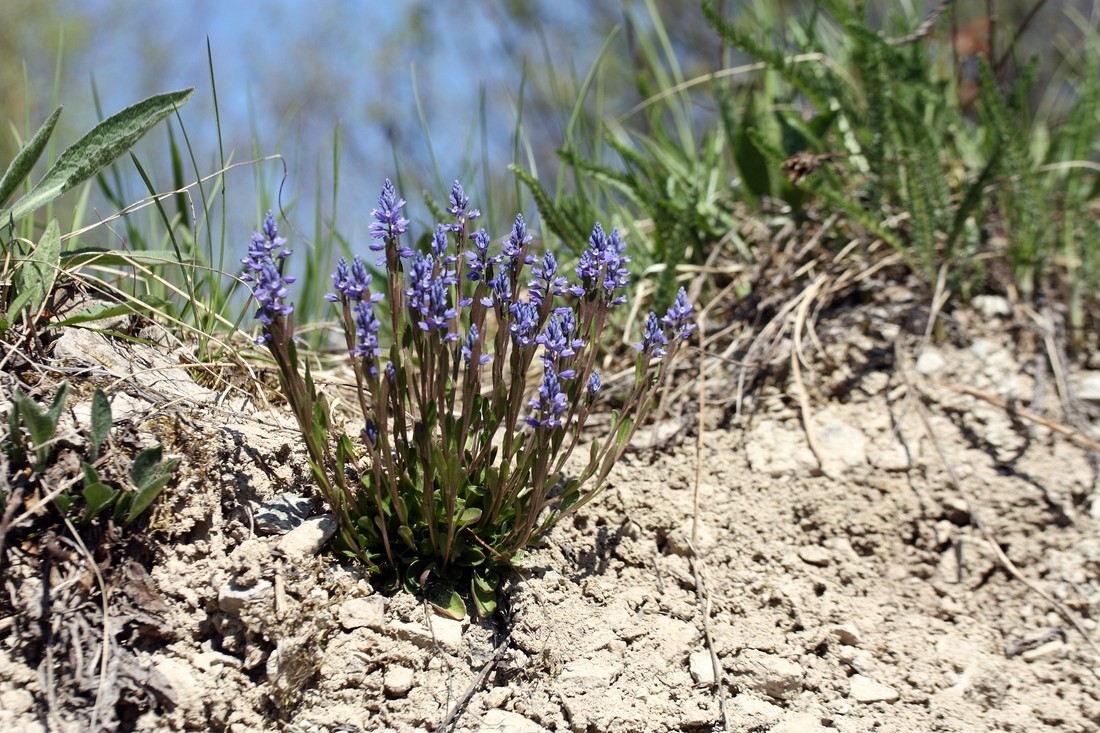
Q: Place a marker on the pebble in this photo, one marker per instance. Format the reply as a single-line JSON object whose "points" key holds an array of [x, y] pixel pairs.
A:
{"points": [[701, 668], [769, 674], [843, 447], [448, 633], [282, 514], [590, 673], [779, 451], [930, 363], [847, 634], [815, 555], [397, 681], [992, 306], [16, 702], [232, 598], [504, 721], [356, 613], [866, 690], [1088, 388], [307, 539]]}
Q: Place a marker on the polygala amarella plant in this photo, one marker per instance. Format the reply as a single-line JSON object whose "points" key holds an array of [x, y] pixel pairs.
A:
{"points": [[456, 468]]}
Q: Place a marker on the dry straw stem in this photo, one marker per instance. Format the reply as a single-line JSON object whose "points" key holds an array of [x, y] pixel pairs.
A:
{"points": [[1015, 411], [902, 361]]}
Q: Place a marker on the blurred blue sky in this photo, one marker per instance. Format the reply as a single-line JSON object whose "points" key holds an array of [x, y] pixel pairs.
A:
{"points": [[290, 70]]}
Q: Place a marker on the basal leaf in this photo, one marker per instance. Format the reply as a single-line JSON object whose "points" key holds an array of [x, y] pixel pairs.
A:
{"points": [[37, 273], [99, 147], [25, 159], [100, 421], [148, 493], [146, 468]]}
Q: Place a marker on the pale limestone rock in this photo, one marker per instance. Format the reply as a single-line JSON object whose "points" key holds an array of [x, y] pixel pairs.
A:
{"points": [[866, 690]]}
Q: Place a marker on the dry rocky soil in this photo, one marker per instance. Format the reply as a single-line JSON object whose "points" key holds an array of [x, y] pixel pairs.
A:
{"points": [[904, 577]]}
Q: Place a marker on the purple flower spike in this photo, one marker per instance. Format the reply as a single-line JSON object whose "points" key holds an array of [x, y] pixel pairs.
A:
{"points": [[472, 339], [388, 222], [366, 335], [678, 318], [654, 340], [459, 201], [420, 282], [594, 384], [352, 282], [547, 282], [477, 259], [501, 287], [270, 286], [604, 257], [549, 404], [557, 344], [516, 241], [525, 319], [370, 433], [436, 313]]}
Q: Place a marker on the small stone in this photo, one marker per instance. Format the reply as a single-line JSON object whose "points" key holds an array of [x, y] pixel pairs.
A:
{"points": [[307, 539], [815, 555], [701, 668], [589, 673], [843, 447], [397, 681], [232, 598], [1054, 649], [930, 363], [356, 613], [889, 457], [799, 723], [448, 634], [769, 674], [847, 634], [283, 514], [866, 690], [778, 451], [992, 306], [1088, 388], [504, 721], [16, 701]]}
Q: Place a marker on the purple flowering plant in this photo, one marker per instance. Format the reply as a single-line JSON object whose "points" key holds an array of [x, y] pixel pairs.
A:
{"points": [[457, 464]]}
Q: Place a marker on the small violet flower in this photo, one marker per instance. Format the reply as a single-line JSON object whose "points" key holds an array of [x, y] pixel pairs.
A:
{"points": [[547, 282], [472, 339], [604, 262], [525, 319], [557, 342], [654, 339], [366, 335], [435, 311], [516, 242], [270, 289], [678, 318], [459, 201], [549, 404], [352, 282], [477, 259], [388, 223], [501, 290], [593, 386]]}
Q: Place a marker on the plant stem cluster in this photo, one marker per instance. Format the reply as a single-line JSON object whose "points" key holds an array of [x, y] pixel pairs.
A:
{"points": [[455, 470]]}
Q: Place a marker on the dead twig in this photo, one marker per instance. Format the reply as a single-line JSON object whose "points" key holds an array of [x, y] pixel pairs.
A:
{"points": [[1013, 411], [477, 684]]}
